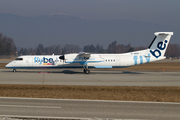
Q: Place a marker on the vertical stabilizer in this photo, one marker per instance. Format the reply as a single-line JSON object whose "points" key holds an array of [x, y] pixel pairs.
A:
{"points": [[160, 43]]}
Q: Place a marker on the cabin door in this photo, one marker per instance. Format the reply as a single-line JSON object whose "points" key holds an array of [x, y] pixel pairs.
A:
{"points": [[30, 61]]}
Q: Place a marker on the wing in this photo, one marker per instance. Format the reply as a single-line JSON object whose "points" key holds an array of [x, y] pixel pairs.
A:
{"points": [[84, 54]]}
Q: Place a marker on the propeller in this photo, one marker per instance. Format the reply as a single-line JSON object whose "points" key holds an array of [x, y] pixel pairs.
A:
{"points": [[62, 57]]}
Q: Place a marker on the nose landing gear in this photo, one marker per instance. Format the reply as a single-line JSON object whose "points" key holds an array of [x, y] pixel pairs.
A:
{"points": [[14, 70]]}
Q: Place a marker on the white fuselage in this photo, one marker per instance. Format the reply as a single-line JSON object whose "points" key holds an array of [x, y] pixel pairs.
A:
{"points": [[75, 61]]}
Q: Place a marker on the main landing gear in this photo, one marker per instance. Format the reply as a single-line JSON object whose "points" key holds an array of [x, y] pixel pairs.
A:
{"points": [[86, 70]]}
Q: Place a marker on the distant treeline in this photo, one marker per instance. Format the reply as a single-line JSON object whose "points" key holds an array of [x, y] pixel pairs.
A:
{"points": [[112, 48], [71, 48], [54, 49], [7, 47]]}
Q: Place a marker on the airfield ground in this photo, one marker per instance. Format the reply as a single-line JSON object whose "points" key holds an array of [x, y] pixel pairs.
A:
{"points": [[159, 94]]}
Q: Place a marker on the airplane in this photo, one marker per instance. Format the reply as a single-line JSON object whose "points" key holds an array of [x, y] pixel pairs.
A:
{"points": [[84, 60]]}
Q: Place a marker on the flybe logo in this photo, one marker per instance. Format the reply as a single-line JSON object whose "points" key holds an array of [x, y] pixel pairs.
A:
{"points": [[141, 59], [44, 61], [160, 46]]}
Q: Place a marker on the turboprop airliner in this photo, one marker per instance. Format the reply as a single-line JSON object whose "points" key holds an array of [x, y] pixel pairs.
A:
{"points": [[84, 60]]}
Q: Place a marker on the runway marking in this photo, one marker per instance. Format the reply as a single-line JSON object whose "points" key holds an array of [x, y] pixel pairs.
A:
{"points": [[86, 100], [29, 106], [48, 117], [20, 116]]}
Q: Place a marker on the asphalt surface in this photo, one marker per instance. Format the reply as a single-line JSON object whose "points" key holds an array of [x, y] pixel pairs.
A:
{"points": [[95, 78], [88, 109]]}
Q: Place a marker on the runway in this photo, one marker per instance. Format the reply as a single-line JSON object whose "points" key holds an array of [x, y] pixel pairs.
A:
{"points": [[86, 109], [95, 78]]}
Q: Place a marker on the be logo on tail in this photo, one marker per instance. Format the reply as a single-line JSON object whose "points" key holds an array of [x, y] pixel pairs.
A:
{"points": [[160, 46]]}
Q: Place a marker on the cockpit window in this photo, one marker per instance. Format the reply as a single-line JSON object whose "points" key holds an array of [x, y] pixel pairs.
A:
{"points": [[19, 59]]}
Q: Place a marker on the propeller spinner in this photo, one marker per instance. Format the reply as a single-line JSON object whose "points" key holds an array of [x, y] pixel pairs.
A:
{"points": [[62, 57]]}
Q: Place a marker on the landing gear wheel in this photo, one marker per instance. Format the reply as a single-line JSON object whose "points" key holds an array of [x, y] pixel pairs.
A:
{"points": [[86, 71], [14, 70]]}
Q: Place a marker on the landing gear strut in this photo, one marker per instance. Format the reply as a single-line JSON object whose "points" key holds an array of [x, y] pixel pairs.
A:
{"points": [[86, 70]]}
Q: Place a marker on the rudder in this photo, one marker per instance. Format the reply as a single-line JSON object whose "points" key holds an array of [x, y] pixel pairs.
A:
{"points": [[160, 43]]}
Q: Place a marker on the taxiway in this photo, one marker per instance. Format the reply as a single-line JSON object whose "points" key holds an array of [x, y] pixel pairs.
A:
{"points": [[96, 78]]}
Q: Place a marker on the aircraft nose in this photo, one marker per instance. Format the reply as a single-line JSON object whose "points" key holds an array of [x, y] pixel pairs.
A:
{"points": [[9, 65]]}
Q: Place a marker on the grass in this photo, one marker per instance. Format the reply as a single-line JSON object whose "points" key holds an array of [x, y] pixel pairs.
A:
{"points": [[156, 66], [156, 94], [2, 65]]}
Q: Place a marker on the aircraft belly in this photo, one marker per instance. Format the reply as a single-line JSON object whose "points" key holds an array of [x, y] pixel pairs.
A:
{"points": [[102, 65]]}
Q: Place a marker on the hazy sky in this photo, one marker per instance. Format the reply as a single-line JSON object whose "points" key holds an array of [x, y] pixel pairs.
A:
{"points": [[164, 12], [156, 11]]}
